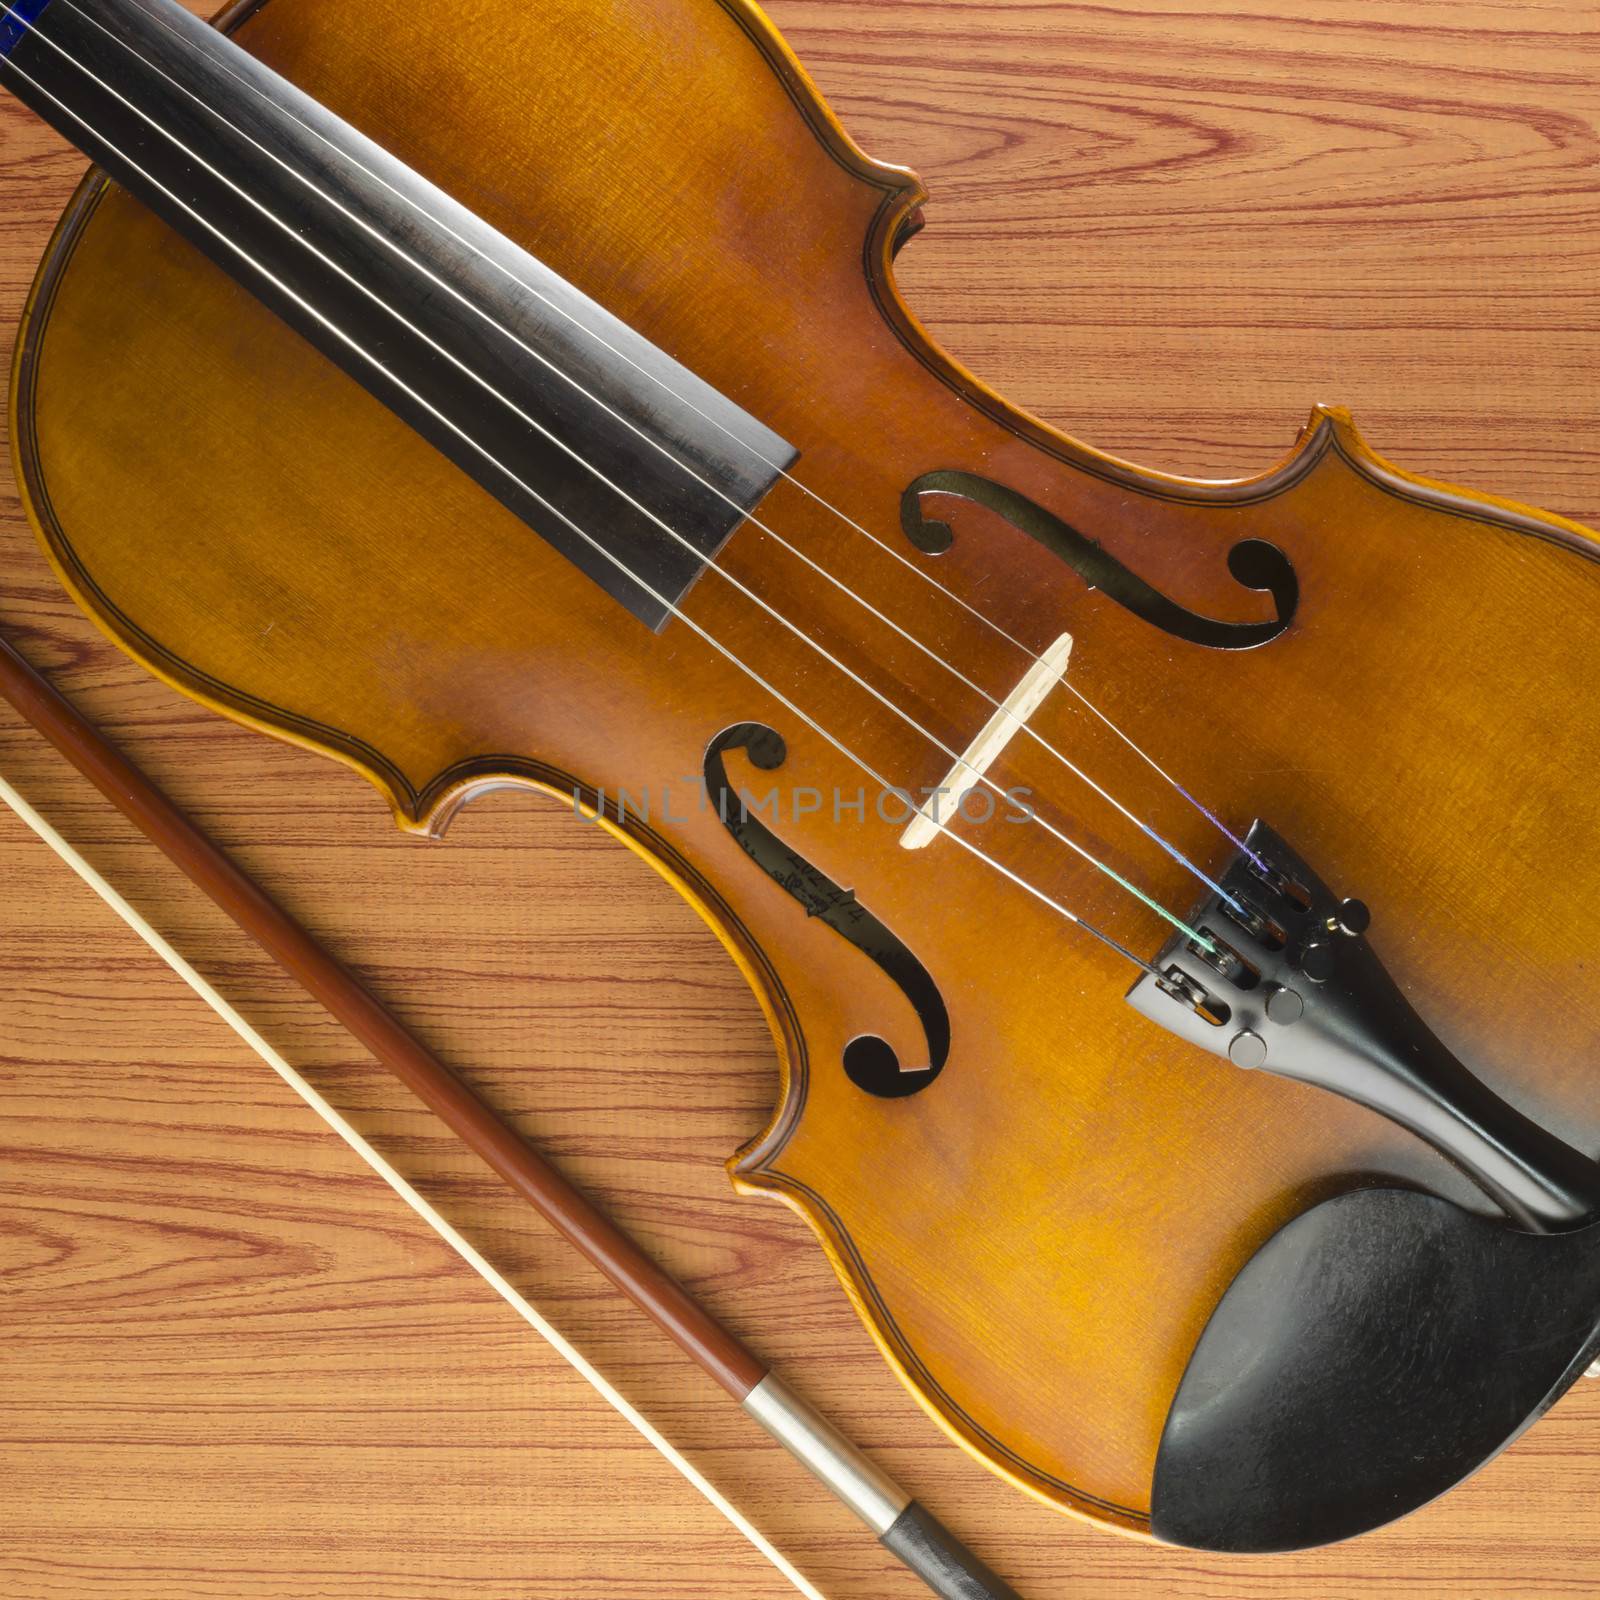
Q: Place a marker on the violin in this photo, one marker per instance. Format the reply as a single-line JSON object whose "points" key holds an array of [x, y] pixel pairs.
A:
{"points": [[1162, 893]]}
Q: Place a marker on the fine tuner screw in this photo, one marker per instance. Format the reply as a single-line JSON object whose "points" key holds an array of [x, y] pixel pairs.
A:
{"points": [[1350, 921], [1316, 960], [1247, 1050], [1284, 1006]]}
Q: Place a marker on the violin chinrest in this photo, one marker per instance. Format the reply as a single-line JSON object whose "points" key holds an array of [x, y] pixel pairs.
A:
{"points": [[1373, 1353]]}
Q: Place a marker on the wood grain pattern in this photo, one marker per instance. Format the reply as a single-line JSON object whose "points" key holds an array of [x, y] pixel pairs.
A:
{"points": [[232, 1369], [1069, 1201]]}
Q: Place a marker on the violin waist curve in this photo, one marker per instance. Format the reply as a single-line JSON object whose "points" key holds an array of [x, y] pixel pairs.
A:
{"points": [[1037, 1238]]}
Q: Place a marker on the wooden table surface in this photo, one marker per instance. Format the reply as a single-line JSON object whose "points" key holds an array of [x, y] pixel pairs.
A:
{"points": [[232, 1365]]}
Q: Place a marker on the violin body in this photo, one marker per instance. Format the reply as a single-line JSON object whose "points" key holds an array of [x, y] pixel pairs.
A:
{"points": [[1037, 1236]]}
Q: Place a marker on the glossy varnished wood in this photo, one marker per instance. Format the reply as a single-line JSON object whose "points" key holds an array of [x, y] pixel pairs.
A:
{"points": [[410, 933]]}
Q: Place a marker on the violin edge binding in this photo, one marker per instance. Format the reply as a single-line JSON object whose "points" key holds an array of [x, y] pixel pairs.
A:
{"points": [[428, 810]]}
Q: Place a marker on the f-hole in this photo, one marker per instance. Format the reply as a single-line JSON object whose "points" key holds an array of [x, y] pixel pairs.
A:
{"points": [[1253, 563], [869, 1062]]}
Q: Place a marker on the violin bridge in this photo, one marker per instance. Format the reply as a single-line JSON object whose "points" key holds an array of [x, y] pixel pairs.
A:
{"points": [[986, 749]]}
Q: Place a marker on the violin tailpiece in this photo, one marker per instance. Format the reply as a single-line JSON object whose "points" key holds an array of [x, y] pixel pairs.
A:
{"points": [[1293, 986]]}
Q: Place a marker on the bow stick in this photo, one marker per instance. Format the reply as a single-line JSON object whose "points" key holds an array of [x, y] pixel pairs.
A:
{"points": [[462, 1246], [899, 1522]]}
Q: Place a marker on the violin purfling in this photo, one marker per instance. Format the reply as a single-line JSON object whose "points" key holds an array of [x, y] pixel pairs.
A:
{"points": [[573, 434]]}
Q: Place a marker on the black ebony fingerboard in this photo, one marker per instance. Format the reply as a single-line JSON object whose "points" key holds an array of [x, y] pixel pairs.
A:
{"points": [[603, 444]]}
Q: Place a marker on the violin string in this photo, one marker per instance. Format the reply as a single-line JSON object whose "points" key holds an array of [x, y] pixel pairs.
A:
{"points": [[776, 467], [402, 1187], [422, 269], [1025, 814], [9, 63]]}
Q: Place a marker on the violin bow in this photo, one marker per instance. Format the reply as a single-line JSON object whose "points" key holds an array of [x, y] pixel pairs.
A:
{"points": [[899, 1522], [462, 1246]]}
